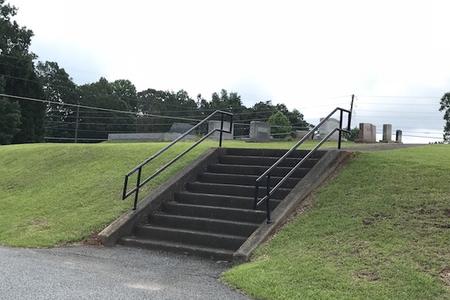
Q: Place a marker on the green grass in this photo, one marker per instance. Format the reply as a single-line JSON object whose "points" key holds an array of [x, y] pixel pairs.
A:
{"points": [[379, 230], [59, 193]]}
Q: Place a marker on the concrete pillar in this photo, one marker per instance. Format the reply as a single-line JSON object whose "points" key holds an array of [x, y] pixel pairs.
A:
{"points": [[226, 126], [398, 136], [329, 126], [367, 133], [387, 133], [259, 131]]}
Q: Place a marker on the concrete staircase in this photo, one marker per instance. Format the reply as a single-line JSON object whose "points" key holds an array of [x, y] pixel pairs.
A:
{"points": [[213, 215]]}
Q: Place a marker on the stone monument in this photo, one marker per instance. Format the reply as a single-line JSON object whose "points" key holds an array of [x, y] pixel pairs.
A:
{"points": [[216, 125], [398, 136], [367, 133], [327, 127], [387, 133], [259, 131]]}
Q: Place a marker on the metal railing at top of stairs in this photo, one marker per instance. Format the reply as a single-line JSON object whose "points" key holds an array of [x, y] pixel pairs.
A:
{"points": [[139, 167], [267, 173]]}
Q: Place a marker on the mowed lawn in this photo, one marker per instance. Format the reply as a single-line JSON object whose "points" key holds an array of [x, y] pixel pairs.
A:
{"points": [[52, 194], [379, 230]]}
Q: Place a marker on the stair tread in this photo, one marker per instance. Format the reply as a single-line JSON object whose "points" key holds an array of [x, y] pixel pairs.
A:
{"points": [[220, 195], [255, 166], [246, 175], [163, 214], [267, 157], [177, 245], [191, 231], [175, 203], [232, 185]]}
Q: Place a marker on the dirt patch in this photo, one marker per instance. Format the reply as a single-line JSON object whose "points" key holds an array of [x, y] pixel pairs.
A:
{"points": [[368, 221], [368, 275], [376, 217], [39, 224], [447, 212], [93, 240], [445, 275]]}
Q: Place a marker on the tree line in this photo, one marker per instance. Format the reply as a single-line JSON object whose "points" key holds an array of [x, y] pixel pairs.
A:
{"points": [[22, 121]]}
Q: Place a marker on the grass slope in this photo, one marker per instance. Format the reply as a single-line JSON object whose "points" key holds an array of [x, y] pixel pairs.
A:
{"points": [[380, 230], [59, 193]]}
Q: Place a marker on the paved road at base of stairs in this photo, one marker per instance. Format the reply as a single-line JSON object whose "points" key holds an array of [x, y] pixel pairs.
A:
{"points": [[87, 272]]}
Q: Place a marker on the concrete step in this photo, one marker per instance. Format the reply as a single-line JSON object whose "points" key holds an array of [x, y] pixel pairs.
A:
{"points": [[233, 189], [254, 170], [265, 161], [210, 252], [243, 229], [214, 212], [244, 179], [188, 236], [270, 152], [220, 200]]}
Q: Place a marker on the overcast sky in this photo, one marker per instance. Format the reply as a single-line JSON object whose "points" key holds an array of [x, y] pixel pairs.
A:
{"points": [[310, 55]]}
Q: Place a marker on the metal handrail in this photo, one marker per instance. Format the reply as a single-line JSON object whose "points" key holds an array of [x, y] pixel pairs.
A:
{"points": [[139, 167], [267, 173]]}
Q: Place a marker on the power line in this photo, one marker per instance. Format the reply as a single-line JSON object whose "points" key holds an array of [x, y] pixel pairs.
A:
{"points": [[96, 108]]}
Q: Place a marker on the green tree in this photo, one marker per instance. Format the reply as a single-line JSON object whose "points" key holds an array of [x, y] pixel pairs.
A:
{"points": [[225, 101], [281, 127], [96, 124], [125, 91], [445, 107], [18, 77], [60, 89], [353, 135], [9, 120]]}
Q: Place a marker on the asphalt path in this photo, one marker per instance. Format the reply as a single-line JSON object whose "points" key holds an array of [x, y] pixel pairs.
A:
{"points": [[88, 272]]}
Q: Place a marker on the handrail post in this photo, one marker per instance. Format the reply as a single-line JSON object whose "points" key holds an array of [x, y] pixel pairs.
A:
{"points": [[221, 130], [125, 185], [340, 127], [138, 184], [256, 195], [268, 199]]}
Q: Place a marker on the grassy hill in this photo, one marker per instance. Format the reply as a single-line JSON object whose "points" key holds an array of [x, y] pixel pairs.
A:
{"points": [[379, 230], [60, 193]]}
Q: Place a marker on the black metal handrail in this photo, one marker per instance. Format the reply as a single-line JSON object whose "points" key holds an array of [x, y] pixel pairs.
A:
{"points": [[270, 191], [139, 167]]}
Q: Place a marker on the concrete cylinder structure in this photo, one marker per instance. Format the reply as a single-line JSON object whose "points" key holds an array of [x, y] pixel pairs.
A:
{"points": [[387, 133], [398, 136]]}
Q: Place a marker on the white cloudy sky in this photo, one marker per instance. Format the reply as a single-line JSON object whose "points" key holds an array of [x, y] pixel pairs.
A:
{"points": [[302, 53]]}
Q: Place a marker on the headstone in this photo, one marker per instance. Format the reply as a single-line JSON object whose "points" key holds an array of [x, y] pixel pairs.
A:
{"points": [[387, 133], [180, 127], [299, 134], [259, 131], [327, 127], [216, 125], [153, 136], [398, 136], [367, 133]]}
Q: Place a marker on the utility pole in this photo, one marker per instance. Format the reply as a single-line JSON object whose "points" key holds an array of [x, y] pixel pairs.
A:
{"points": [[76, 123]]}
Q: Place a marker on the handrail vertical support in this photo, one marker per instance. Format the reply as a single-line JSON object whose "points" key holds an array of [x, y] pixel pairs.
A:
{"points": [[256, 195], [349, 125], [268, 199], [138, 185], [125, 185], [340, 127], [221, 130]]}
